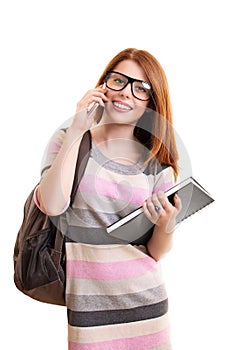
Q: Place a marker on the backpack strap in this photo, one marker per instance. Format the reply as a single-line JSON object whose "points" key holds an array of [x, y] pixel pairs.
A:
{"points": [[83, 156]]}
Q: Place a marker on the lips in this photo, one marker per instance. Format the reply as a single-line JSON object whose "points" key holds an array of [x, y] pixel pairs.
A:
{"points": [[121, 106]]}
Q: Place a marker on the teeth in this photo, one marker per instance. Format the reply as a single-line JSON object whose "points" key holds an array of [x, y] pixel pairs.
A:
{"points": [[120, 105]]}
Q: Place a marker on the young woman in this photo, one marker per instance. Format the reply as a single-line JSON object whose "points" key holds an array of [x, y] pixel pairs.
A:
{"points": [[115, 292]]}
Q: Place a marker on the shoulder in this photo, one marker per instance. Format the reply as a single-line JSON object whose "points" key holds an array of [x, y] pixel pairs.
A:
{"points": [[155, 168], [56, 140]]}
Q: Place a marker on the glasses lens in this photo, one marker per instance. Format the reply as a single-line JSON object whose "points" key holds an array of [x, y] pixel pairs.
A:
{"points": [[116, 81], [141, 90]]}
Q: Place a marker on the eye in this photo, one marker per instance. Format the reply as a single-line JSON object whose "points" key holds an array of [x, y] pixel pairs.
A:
{"points": [[119, 81], [140, 88]]}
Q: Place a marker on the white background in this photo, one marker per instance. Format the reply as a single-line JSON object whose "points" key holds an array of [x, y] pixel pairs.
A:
{"points": [[52, 52]]}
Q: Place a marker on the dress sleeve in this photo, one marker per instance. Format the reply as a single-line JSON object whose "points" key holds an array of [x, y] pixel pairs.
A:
{"points": [[164, 180], [52, 150]]}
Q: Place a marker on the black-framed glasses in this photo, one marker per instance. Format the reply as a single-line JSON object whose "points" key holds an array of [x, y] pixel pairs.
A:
{"points": [[117, 81]]}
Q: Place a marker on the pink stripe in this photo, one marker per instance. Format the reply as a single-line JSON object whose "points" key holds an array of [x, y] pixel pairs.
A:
{"points": [[54, 147], [135, 343], [109, 270], [163, 187], [102, 187]]}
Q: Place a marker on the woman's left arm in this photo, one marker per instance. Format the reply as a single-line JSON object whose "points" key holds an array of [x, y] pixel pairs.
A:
{"points": [[163, 214]]}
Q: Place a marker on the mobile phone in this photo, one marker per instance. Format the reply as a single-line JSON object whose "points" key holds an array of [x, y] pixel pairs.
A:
{"points": [[93, 106]]}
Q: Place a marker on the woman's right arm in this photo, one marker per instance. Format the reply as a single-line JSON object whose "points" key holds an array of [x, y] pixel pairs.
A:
{"points": [[53, 192]]}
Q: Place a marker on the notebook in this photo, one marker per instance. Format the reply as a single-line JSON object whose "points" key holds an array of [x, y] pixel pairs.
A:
{"points": [[135, 227]]}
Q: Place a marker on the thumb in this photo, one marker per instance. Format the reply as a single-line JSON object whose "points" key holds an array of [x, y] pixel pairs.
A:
{"points": [[177, 202]]}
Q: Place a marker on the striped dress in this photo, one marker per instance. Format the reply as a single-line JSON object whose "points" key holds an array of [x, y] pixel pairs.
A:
{"points": [[115, 293]]}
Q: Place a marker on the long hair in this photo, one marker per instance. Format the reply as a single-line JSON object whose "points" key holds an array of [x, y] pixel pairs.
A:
{"points": [[155, 128]]}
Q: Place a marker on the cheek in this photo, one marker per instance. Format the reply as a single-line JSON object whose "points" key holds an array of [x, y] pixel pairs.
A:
{"points": [[141, 104], [139, 109], [109, 94]]}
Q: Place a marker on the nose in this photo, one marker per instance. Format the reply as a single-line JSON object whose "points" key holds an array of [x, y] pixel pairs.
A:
{"points": [[127, 91]]}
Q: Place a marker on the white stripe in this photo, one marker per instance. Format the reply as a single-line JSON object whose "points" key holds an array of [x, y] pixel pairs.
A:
{"points": [[119, 331], [105, 253]]}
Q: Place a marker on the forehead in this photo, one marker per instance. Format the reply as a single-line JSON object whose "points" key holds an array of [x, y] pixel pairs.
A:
{"points": [[131, 68]]}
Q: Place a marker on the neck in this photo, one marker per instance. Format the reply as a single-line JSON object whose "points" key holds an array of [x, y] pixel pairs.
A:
{"points": [[118, 143], [105, 132]]}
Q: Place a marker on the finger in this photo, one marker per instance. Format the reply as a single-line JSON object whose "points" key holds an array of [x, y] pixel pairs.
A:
{"points": [[99, 92], [167, 206], [161, 198], [155, 207], [101, 87], [150, 204], [177, 202], [95, 100], [146, 210], [101, 99], [150, 212]]}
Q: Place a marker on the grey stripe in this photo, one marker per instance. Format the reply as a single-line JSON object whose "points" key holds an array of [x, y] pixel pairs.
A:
{"points": [[100, 318], [88, 235], [92, 218], [99, 236], [115, 302]]}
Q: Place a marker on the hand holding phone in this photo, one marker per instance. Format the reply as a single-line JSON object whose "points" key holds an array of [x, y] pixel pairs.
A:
{"points": [[93, 106]]}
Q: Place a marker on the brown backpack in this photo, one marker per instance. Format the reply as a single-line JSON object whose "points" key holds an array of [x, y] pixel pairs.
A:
{"points": [[39, 253]]}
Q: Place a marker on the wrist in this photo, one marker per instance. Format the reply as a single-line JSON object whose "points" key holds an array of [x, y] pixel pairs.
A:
{"points": [[74, 133], [167, 228]]}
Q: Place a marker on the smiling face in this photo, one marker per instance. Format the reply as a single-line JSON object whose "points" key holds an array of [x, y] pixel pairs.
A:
{"points": [[122, 106]]}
